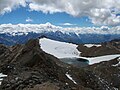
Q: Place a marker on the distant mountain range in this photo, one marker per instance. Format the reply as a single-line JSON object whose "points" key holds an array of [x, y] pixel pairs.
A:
{"points": [[19, 34], [8, 39]]}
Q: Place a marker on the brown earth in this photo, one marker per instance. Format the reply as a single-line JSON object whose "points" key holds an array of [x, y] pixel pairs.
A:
{"points": [[108, 48]]}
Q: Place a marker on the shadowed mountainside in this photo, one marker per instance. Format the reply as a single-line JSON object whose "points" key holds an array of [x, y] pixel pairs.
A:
{"points": [[29, 68], [107, 48]]}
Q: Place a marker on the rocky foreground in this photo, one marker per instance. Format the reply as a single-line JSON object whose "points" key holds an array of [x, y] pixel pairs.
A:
{"points": [[28, 67]]}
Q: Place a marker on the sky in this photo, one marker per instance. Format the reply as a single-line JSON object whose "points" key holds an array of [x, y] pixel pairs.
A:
{"points": [[24, 16], [65, 13]]}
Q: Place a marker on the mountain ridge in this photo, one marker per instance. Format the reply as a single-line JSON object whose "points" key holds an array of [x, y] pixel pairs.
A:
{"points": [[21, 33], [28, 67]]}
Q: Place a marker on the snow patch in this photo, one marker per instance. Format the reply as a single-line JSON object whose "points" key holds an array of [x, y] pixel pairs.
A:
{"points": [[101, 58], [59, 49], [69, 76], [1, 77], [94, 60], [117, 63], [91, 45], [68, 50]]}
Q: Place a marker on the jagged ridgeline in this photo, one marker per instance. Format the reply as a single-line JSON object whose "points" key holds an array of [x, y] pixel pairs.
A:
{"points": [[28, 67]]}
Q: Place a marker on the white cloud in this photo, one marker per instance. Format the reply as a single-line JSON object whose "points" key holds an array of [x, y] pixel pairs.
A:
{"points": [[9, 5], [48, 27], [101, 12], [25, 28], [29, 20], [68, 24]]}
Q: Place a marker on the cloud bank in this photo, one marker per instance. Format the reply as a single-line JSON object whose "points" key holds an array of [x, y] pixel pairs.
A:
{"points": [[48, 27], [9, 5], [101, 12]]}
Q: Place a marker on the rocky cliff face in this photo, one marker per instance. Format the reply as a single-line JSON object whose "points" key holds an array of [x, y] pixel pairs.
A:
{"points": [[107, 48], [30, 68], [27, 65]]}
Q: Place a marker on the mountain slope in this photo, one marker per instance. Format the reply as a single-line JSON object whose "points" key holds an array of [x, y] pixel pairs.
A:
{"points": [[107, 48], [27, 66], [68, 52]]}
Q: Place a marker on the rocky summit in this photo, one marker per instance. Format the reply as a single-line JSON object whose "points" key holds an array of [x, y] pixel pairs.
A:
{"points": [[28, 67]]}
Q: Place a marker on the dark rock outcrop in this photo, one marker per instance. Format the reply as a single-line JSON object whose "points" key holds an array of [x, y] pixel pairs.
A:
{"points": [[30, 68], [103, 76], [107, 48], [27, 65]]}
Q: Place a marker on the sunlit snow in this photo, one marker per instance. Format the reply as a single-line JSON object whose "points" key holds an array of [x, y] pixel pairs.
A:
{"points": [[59, 49], [91, 45], [1, 77], [68, 50], [69, 76], [101, 58]]}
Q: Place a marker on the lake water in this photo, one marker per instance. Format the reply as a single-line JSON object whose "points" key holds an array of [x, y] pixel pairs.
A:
{"points": [[79, 62]]}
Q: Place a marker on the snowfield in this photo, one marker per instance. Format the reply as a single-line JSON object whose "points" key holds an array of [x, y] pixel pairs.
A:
{"points": [[68, 50], [101, 58], [1, 77], [90, 45], [59, 49]]}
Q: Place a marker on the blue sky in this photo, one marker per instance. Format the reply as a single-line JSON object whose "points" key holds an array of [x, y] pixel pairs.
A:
{"points": [[83, 13], [21, 14]]}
